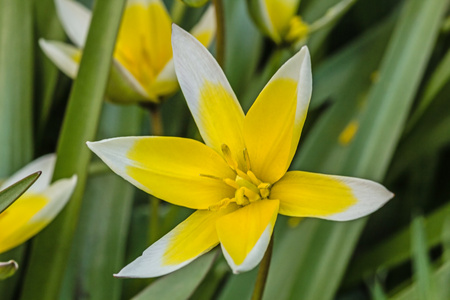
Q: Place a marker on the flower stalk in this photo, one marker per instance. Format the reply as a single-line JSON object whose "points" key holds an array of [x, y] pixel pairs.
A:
{"points": [[263, 272]]}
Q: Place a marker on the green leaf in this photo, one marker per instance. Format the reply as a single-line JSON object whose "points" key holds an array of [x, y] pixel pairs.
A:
{"points": [[97, 259], [16, 86], [7, 269], [13, 192], [16, 95], [437, 81], [391, 98], [195, 3], [181, 284], [421, 262], [396, 249], [440, 277], [377, 291], [51, 248], [47, 74]]}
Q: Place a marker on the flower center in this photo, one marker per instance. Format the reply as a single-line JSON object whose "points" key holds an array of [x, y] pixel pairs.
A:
{"points": [[248, 187]]}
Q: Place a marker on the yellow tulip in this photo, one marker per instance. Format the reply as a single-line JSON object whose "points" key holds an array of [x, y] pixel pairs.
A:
{"points": [[238, 182], [37, 207], [142, 69]]}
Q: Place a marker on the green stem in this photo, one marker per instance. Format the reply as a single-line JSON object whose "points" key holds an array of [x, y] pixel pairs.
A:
{"points": [[157, 129], [263, 272], [51, 249], [220, 35], [177, 11]]}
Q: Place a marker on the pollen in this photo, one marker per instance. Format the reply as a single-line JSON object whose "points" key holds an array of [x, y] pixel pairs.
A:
{"points": [[248, 187]]}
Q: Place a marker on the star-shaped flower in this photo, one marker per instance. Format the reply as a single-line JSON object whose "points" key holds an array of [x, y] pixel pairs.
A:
{"points": [[238, 182]]}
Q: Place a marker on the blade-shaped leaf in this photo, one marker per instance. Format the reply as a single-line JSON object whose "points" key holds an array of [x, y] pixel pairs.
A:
{"points": [[13, 192], [52, 247]]}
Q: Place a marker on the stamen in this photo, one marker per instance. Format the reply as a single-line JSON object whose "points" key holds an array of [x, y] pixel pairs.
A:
{"points": [[229, 157], [245, 183], [228, 181], [247, 159], [264, 190], [210, 176], [231, 183], [241, 199], [221, 204], [253, 178]]}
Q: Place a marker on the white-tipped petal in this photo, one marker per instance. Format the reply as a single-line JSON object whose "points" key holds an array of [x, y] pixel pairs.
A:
{"points": [[75, 19], [190, 239], [45, 164], [245, 234], [64, 56], [211, 100], [284, 101], [178, 170], [29, 214], [338, 198], [58, 194]]}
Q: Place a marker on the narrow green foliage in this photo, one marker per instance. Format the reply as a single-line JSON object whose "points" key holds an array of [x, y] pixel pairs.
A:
{"points": [[16, 85], [436, 83], [51, 248], [16, 92], [47, 74], [13, 192], [421, 262], [391, 98], [440, 278], [397, 248], [377, 291]]}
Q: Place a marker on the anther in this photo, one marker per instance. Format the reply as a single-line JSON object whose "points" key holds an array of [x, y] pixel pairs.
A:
{"points": [[247, 159], [253, 178], [221, 204], [229, 157]]}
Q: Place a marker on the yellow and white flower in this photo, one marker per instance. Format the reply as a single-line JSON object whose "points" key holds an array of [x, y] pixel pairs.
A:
{"points": [[277, 19], [238, 182], [37, 207], [142, 69]]}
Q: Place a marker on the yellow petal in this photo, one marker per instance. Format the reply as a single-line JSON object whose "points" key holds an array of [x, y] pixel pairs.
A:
{"points": [[13, 221], [143, 44], [273, 124], [190, 239], [211, 100], [338, 198], [75, 18], [245, 234], [280, 13], [32, 212], [169, 168]]}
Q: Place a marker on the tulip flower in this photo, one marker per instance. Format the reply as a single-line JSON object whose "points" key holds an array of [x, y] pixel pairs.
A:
{"points": [[142, 68], [278, 20], [37, 207], [239, 181]]}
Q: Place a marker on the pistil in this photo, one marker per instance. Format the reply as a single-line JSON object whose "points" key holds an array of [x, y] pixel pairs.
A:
{"points": [[248, 187]]}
